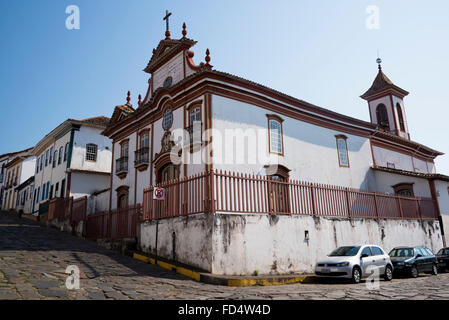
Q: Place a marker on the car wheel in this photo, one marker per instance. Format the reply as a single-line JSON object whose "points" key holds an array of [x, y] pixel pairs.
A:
{"points": [[388, 276], [414, 272], [356, 275], [434, 269]]}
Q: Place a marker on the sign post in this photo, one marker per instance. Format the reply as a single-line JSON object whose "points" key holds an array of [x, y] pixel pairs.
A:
{"points": [[158, 195]]}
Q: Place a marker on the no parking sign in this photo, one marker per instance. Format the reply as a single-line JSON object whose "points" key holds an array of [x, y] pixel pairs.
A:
{"points": [[159, 194]]}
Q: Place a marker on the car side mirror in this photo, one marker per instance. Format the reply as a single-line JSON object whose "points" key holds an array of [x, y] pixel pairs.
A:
{"points": [[418, 256], [364, 255]]}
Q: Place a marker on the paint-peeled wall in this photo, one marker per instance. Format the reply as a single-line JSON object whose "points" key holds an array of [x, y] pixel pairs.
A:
{"points": [[242, 244], [185, 239], [310, 151]]}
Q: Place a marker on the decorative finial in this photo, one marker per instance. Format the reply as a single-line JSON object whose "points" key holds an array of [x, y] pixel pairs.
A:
{"points": [[128, 98], [207, 58], [154, 50], [167, 32], [140, 100], [184, 31], [379, 61]]}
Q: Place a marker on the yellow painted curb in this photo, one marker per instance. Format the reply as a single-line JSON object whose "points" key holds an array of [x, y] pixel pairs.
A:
{"points": [[141, 258], [265, 282], [231, 282]]}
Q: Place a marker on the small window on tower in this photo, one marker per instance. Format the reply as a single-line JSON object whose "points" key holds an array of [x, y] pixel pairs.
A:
{"points": [[391, 165], [91, 152], [400, 117], [382, 117]]}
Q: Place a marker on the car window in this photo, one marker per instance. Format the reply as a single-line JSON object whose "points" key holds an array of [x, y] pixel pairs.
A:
{"points": [[418, 251], [366, 251], [429, 252], [447, 251], [402, 252], [344, 251], [377, 251]]}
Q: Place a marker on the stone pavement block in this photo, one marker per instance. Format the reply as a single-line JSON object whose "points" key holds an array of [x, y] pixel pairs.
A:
{"points": [[8, 294], [53, 293], [96, 295], [45, 284]]}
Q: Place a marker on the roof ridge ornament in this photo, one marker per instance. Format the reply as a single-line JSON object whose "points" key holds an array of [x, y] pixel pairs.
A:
{"points": [[208, 58], [128, 98], [166, 18], [184, 30]]}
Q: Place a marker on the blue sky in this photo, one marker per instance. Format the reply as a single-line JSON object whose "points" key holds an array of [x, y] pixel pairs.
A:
{"points": [[319, 51]]}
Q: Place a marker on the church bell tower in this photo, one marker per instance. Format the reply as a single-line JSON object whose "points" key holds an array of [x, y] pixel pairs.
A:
{"points": [[386, 105]]}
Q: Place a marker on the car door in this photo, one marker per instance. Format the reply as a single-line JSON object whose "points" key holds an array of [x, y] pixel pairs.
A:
{"points": [[421, 260], [380, 258], [430, 259], [368, 262]]}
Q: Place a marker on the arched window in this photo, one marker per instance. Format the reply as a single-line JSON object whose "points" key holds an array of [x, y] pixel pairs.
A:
{"points": [[167, 120], [276, 144], [342, 148], [382, 117], [404, 189], [400, 117]]}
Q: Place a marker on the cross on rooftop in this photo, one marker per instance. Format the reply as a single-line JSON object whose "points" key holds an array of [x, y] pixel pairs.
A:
{"points": [[166, 18]]}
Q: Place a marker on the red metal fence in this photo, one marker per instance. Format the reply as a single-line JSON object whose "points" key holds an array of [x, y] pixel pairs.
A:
{"points": [[64, 209], [241, 193], [115, 224]]}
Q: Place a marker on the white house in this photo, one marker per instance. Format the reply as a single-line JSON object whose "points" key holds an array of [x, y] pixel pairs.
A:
{"points": [[73, 160], [237, 125], [25, 192], [4, 159], [17, 171]]}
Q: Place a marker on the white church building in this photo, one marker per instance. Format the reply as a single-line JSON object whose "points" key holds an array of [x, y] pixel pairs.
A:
{"points": [[255, 179]]}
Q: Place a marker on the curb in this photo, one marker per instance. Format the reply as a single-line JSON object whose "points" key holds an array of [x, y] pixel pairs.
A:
{"points": [[228, 281]]}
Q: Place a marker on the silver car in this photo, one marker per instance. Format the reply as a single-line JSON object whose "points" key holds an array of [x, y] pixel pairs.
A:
{"points": [[355, 262]]}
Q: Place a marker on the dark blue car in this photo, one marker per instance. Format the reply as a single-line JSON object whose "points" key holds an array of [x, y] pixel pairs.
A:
{"points": [[413, 260]]}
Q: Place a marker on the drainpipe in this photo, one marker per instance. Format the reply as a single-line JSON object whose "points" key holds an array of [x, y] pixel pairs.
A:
{"points": [[433, 192]]}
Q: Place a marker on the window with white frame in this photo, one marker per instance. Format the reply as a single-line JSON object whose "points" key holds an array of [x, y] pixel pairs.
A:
{"points": [[342, 147], [91, 152], [275, 134]]}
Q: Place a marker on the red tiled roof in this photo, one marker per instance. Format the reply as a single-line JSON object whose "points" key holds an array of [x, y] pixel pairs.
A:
{"points": [[431, 176], [381, 83]]}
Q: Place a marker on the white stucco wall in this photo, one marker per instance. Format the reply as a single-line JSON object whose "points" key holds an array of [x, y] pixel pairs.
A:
{"points": [[173, 68], [442, 188], [98, 203], [385, 182], [310, 151], [401, 161], [83, 184], [242, 244], [85, 136]]}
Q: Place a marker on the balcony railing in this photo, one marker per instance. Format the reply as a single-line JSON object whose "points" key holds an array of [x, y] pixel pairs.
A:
{"points": [[227, 192], [121, 165], [142, 157]]}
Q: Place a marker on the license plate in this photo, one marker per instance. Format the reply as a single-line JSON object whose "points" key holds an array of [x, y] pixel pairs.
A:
{"points": [[334, 270], [325, 270]]}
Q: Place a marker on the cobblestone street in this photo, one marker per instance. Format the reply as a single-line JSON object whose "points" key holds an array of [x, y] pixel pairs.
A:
{"points": [[33, 260]]}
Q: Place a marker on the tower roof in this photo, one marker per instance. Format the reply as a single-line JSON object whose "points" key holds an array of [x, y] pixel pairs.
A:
{"points": [[382, 84]]}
